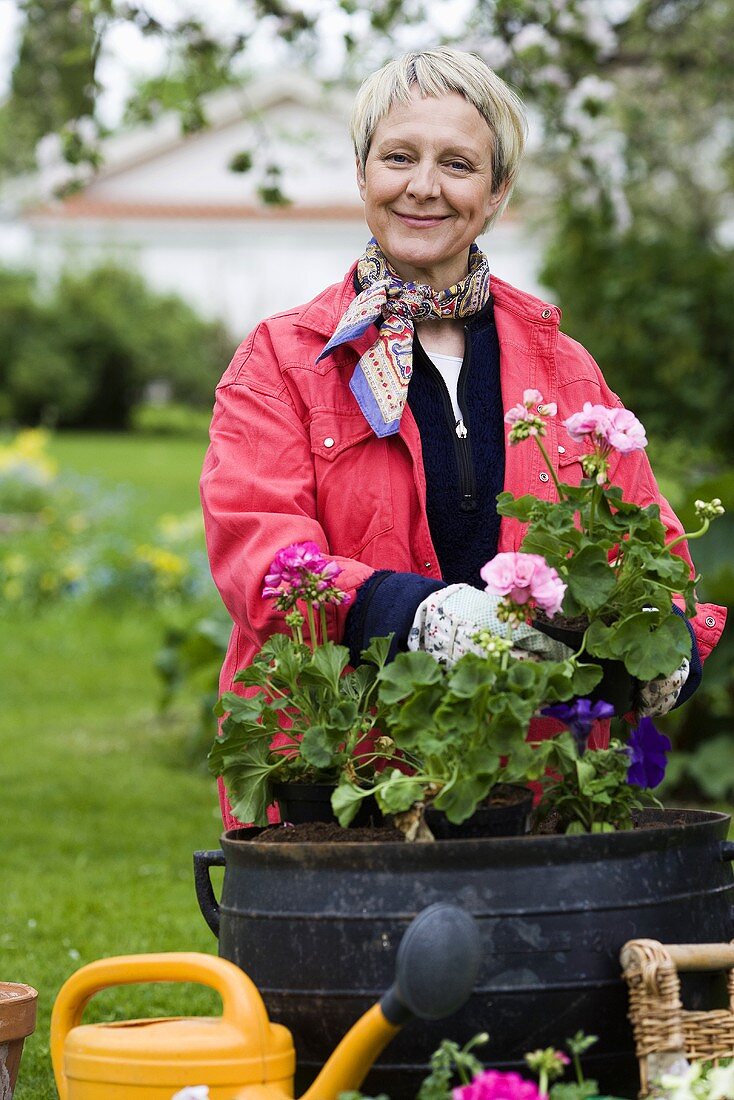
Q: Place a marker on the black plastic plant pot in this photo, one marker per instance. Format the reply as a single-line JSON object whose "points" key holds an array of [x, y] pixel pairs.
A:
{"points": [[300, 803], [507, 812], [317, 927], [616, 687]]}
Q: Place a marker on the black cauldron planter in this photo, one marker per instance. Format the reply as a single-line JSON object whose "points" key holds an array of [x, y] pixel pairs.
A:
{"points": [[316, 926]]}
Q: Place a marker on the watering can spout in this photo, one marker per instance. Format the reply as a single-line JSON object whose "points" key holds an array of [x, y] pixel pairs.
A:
{"points": [[349, 1063], [435, 971]]}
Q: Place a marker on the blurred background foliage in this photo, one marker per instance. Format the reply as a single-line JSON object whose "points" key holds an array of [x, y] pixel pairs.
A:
{"points": [[85, 353]]}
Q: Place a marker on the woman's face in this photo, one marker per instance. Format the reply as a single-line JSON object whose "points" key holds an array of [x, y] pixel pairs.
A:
{"points": [[427, 186]]}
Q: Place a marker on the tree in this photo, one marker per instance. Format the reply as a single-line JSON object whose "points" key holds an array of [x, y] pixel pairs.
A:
{"points": [[52, 82]]}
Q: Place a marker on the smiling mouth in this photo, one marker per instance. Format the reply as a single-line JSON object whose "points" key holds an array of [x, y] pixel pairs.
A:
{"points": [[421, 219]]}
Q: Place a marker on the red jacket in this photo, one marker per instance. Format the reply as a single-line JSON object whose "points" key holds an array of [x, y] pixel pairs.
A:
{"points": [[293, 459]]}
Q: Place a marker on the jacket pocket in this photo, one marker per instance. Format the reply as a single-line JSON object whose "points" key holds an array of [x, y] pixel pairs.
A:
{"points": [[569, 461], [353, 490]]}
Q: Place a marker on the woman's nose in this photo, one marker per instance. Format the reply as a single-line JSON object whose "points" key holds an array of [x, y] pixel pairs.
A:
{"points": [[423, 182]]}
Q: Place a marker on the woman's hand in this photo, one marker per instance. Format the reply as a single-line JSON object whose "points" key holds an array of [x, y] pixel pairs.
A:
{"points": [[447, 622], [658, 696]]}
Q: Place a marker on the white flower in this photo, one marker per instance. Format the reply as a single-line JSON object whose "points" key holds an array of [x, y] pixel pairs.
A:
{"points": [[686, 1086], [596, 27], [534, 35], [495, 52], [721, 1082], [590, 90], [193, 1092]]}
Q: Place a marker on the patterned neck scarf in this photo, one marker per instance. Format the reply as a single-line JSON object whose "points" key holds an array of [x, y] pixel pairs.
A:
{"points": [[381, 377]]}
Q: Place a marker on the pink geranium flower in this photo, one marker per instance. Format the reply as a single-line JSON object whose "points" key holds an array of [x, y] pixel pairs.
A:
{"points": [[609, 428], [529, 417], [525, 579], [300, 571], [492, 1084]]}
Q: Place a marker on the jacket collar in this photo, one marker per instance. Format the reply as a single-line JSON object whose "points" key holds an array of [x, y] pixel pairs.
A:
{"points": [[323, 313]]}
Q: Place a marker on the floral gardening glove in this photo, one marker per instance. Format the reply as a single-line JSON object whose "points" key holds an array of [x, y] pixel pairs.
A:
{"points": [[658, 696], [445, 624]]}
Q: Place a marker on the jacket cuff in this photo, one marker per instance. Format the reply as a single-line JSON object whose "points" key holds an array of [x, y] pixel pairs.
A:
{"points": [[386, 603], [695, 672]]}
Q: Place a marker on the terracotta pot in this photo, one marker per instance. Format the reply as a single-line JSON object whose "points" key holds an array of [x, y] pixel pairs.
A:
{"points": [[17, 1020]]}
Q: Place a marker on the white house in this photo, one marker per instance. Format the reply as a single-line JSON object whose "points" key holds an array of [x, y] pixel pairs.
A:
{"points": [[170, 206]]}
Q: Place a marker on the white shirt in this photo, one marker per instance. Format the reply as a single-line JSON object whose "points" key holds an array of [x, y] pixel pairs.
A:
{"points": [[448, 367]]}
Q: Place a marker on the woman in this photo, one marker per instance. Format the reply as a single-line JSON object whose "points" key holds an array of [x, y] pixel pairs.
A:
{"points": [[370, 420]]}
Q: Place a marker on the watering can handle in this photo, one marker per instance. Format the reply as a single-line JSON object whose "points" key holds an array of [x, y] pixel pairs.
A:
{"points": [[204, 889], [242, 1005]]}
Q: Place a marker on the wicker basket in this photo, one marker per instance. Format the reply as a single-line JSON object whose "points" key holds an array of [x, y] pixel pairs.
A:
{"points": [[663, 1029]]}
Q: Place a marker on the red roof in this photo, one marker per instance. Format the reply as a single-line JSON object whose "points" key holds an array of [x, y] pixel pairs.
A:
{"points": [[83, 207]]}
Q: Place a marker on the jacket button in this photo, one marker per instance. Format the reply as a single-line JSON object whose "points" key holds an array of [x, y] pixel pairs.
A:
{"points": [[426, 564], [543, 476], [710, 620], [545, 314], [328, 442], [561, 450]]}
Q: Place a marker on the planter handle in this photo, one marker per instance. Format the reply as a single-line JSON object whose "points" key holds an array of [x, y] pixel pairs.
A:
{"points": [[204, 890], [726, 851]]}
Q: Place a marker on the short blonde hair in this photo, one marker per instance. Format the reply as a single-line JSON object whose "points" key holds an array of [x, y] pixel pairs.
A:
{"points": [[437, 73]]}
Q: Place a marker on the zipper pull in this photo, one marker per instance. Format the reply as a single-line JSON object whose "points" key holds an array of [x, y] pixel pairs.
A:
{"points": [[461, 429]]}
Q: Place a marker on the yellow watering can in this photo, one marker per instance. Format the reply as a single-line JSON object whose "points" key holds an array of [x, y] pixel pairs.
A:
{"points": [[242, 1055]]}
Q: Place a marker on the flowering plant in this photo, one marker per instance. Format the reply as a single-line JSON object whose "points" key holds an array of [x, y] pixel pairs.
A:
{"points": [[699, 1081], [596, 790], [304, 717], [459, 731], [612, 555], [450, 1062]]}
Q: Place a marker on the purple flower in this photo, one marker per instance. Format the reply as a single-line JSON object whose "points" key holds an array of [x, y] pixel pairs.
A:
{"points": [[647, 748], [495, 1085], [579, 717]]}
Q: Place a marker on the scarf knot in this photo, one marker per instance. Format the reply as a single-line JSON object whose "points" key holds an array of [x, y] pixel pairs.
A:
{"points": [[381, 377]]}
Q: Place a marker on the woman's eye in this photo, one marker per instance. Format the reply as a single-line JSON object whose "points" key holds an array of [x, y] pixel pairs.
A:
{"points": [[397, 158], [459, 165]]}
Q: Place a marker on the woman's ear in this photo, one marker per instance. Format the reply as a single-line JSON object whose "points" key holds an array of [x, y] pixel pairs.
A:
{"points": [[361, 182], [496, 199]]}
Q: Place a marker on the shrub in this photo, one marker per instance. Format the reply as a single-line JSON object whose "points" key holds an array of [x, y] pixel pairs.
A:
{"points": [[83, 356], [654, 308]]}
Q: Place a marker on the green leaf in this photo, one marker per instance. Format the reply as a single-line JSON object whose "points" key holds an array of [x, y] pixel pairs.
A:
{"points": [[646, 652], [396, 792], [377, 651], [585, 678], [460, 800], [520, 508], [239, 707], [326, 666], [345, 801], [470, 676], [317, 747], [248, 787], [405, 673], [590, 577], [342, 717], [416, 716]]}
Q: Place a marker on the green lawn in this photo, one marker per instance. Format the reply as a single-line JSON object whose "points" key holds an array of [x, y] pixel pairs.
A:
{"points": [[163, 470], [102, 806]]}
